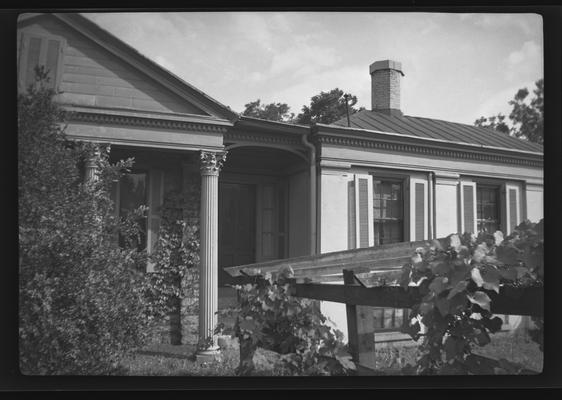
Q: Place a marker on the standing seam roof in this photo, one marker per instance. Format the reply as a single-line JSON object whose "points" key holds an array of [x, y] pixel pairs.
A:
{"points": [[436, 129]]}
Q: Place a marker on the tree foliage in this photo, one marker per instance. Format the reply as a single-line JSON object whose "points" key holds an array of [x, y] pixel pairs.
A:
{"points": [[455, 315], [495, 122], [527, 116], [271, 112], [81, 297], [327, 107]]}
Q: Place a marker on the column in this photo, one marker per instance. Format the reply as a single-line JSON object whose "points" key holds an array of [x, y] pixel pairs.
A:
{"points": [[211, 163], [91, 170]]}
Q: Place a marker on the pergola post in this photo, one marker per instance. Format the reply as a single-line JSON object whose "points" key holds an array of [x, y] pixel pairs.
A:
{"points": [[211, 163]]}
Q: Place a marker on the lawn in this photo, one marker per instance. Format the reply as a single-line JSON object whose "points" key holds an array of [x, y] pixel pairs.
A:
{"points": [[168, 360]]}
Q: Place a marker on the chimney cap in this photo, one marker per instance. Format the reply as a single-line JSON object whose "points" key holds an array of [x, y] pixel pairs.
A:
{"points": [[386, 64]]}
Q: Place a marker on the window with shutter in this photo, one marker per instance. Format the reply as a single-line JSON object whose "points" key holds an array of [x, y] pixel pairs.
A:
{"points": [[39, 50], [468, 207], [512, 207], [418, 209], [363, 187], [363, 198]]}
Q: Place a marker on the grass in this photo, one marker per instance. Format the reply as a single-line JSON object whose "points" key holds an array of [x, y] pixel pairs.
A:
{"points": [[517, 348], [169, 360]]}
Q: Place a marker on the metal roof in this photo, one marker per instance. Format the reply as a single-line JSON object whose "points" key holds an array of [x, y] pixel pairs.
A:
{"points": [[436, 129]]}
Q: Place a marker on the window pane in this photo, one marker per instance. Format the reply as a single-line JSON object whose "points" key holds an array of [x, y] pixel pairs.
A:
{"points": [[487, 203], [133, 194], [388, 211]]}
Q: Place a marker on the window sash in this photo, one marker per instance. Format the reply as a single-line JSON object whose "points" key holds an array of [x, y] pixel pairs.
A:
{"points": [[388, 211], [487, 208], [128, 201]]}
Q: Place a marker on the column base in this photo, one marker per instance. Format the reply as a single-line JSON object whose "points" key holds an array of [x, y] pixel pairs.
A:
{"points": [[208, 355]]}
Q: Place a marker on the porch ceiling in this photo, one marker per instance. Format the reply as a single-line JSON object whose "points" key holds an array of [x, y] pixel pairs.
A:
{"points": [[262, 160]]}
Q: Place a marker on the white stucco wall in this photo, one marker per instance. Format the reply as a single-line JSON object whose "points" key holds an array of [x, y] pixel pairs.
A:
{"points": [[340, 163], [298, 214], [334, 228], [333, 211]]}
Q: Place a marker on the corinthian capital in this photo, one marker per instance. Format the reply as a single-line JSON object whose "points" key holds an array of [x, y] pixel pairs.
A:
{"points": [[211, 162]]}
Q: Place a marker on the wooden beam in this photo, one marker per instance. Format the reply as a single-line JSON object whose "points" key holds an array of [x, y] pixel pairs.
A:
{"points": [[510, 300]]}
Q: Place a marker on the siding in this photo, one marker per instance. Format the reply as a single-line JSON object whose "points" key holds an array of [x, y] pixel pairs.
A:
{"points": [[92, 76]]}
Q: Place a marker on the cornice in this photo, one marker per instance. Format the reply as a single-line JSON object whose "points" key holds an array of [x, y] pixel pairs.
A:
{"points": [[261, 137], [483, 155], [146, 122]]}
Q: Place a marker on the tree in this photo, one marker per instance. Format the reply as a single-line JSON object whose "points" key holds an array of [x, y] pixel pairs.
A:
{"points": [[494, 122], [327, 107], [272, 112], [527, 117], [81, 297]]}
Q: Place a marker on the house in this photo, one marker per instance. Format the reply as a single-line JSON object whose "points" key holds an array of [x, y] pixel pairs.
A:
{"points": [[262, 190]]}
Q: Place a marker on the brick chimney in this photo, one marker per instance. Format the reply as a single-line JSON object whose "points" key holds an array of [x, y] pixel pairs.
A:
{"points": [[385, 86]]}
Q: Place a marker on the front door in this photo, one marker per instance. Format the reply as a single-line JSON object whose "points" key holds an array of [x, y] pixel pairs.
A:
{"points": [[237, 226]]}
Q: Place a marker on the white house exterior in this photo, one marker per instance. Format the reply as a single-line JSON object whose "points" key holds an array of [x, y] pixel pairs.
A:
{"points": [[268, 190]]}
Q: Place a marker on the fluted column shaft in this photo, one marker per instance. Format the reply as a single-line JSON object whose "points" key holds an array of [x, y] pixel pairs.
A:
{"points": [[90, 166], [208, 278]]}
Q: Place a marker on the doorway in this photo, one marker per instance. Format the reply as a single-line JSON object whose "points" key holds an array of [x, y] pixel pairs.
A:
{"points": [[237, 226]]}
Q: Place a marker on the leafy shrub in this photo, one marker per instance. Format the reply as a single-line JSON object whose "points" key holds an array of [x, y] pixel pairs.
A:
{"points": [[81, 296], [455, 310], [269, 317]]}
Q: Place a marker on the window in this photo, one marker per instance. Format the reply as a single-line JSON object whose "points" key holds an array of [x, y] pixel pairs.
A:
{"points": [[36, 50], [132, 194], [487, 208], [388, 211]]}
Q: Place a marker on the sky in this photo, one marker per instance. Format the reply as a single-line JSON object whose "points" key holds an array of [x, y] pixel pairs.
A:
{"points": [[457, 67]]}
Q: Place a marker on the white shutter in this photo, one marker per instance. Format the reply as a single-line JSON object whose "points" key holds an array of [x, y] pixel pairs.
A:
{"points": [[363, 198], [512, 207], [418, 209], [155, 200], [467, 197], [46, 50]]}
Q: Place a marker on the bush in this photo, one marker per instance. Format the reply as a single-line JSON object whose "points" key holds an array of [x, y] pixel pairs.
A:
{"points": [[81, 296]]}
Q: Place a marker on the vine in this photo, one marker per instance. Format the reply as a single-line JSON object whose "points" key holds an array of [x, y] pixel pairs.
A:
{"points": [[270, 318], [454, 314], [176, 252]]}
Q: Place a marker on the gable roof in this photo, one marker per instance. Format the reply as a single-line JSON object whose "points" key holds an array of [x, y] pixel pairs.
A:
{"points": [[140, 62], [436, 129]]}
